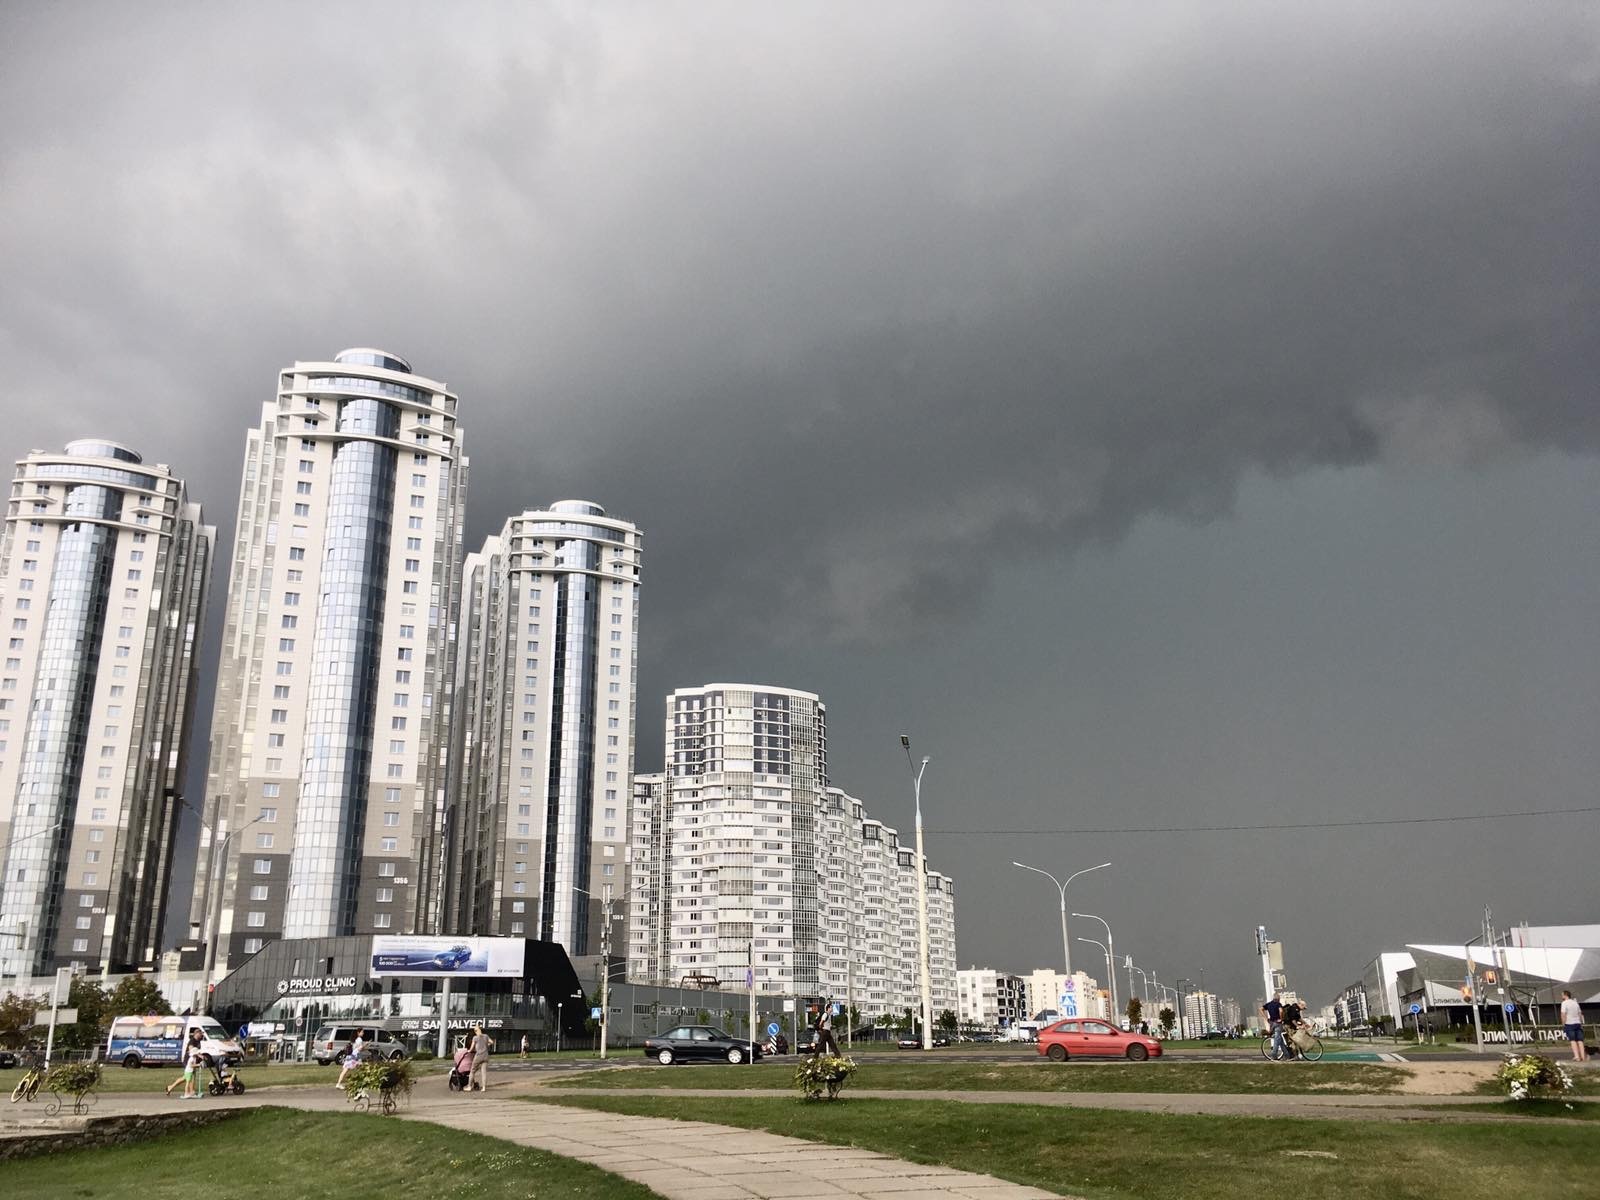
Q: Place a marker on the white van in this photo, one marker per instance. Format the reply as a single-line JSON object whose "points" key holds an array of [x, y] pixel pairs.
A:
{"points": [[148, 1041]]}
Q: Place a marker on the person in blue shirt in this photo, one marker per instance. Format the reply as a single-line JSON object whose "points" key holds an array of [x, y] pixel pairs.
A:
{"points": [[1272, 1010]]}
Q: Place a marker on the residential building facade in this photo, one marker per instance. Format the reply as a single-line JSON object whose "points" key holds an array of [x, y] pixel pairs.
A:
{"points": [[745, 859], [323, 809], [104, 569], [541, 765], [988, 998]]}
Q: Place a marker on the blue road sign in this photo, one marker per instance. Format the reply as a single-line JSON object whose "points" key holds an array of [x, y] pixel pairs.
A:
{"points": [[1415, 1009], [773, 1029], [594, 1014], [1511, 1008]]}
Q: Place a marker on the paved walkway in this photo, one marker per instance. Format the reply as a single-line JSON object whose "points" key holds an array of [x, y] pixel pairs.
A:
{"points": [[680, 1160]]}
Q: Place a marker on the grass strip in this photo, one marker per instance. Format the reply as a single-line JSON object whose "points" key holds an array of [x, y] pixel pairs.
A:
{"points": [[1108, 1155], [1258, 1078], [284, 1155]]}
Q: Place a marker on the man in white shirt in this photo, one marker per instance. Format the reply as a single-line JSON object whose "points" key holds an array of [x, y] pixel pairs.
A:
{"points": [[1572, 1019]]}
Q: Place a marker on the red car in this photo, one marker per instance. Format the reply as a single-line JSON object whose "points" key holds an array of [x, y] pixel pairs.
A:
{"points": [[1084, 1037]]}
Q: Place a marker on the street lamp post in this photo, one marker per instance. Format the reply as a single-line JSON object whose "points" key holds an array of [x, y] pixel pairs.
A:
{"points": [[219, 860], [605, 954], [1184, 987], [1061, 887], [1144, 980], [1111, 955], [1107, 953], [922, 898]]}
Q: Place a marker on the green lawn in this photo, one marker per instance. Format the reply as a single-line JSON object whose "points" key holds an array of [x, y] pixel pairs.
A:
{"points": [[1107, 1155], [152, 1079], [279, 1155], [1577, 1111], [1038, 1075]]}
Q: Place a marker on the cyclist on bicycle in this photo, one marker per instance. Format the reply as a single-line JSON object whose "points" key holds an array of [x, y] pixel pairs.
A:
{"points": [[1272, 1010], [1293, 1019]]}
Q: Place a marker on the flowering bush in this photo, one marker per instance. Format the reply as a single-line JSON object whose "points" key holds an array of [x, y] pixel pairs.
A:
{"points": [[823, 1076], [1533, 1075], [393, 1077]]}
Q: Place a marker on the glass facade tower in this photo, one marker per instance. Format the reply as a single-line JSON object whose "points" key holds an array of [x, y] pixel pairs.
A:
{"points": [[104, 566], [330, 737], [538, 811]]}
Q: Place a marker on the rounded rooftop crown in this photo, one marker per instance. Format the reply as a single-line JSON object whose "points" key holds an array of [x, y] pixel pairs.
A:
{"points": [[582, 507], [101, 448], [366, 356]]}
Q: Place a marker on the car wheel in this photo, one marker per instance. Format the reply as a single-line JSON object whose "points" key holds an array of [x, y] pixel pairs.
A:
{"points": [[1057, 1053], [735, 1056], [1138, 1053], [664, 1057], [397, 1056], [130, 1061]]}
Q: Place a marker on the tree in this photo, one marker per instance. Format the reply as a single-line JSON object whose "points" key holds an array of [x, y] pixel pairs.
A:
{"points": [[138, 995], [94, 1012], [16, 1017], [1135, 1011], [856, 1018], [1168, 1019], [947, 1021]]}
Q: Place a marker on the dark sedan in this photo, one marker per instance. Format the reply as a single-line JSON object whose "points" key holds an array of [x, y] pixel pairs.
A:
{"points": [[8, 1059], [706, 1042]]}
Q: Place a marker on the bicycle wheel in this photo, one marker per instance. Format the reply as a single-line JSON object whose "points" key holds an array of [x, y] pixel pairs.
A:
{"points": [[21, 1090], [1312, 1052], [1266, 1049], [387, 1102]]}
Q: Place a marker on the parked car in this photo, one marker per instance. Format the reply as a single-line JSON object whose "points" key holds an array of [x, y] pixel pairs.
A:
{"points": [[915, 1043], [1361, 1031], [8, 1060], [332, 1043], [686, 1043], [1084, 1037]]}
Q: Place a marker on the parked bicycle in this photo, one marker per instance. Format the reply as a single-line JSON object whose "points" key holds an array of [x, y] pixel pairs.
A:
{"points": [[28, 1086]]}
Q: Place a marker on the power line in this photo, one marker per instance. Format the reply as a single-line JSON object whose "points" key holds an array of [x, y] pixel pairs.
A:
{"points": [[1268, 825]]}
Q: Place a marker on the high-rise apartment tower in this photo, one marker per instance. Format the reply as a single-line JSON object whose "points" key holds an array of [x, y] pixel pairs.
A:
{"points": [[330, 737], [538, 813], [104, 565]]}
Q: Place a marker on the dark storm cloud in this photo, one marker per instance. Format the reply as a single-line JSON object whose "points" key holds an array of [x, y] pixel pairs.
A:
{"points": [[849, 306]]}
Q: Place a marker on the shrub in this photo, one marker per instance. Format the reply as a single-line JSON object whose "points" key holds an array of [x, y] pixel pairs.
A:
{"points": [[1533, 1075], [73, 1078], [423, 1054], [395, 1078], [822, 1077]]}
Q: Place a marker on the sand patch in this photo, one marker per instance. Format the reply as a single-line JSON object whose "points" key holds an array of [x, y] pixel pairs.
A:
{"points": [[1447, 1078]]}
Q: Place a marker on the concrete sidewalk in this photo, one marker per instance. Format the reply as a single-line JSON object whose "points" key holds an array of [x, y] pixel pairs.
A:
{"points": [[679, 1160]]}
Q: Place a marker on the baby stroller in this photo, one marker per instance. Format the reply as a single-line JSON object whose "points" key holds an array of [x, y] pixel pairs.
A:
{"points": [[461, 1070], [224, 1080]]}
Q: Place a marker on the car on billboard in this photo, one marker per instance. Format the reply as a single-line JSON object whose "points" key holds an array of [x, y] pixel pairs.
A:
{"points": [[424, 958]]}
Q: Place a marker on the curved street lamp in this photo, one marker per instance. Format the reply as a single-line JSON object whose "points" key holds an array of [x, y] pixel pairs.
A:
{"points": [[922, 898], [1061, 887], [1111, 954]]}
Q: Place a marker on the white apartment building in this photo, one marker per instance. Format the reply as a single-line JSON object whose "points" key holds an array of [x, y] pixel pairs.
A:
{"points": [[329, 737], [1047, 989], [539, 797], [104, 568], [741, 847], [1202, 1011], [989, 998]]}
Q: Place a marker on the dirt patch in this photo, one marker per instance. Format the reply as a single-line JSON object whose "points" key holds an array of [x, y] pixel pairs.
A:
{"points": [[1446, 1078]]}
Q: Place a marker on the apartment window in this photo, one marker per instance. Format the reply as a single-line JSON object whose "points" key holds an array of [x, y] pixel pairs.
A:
{"points": [[403, 653], [388, 845], [292, 599], [263, 841], [285, 645], [289, 621], [253, 945], [80, 945], [391, 819], [303, 488], [516, 926], [302, 510], [83, 923], [280, 716], [518, 905], [258, 891], [256, 920], [386, 870], [263, 866], [413, 564], [296, 553], [385, 895], [269, 816], [402, 676], [275, 740], [307, 466], [271, 789], [382, 920]]}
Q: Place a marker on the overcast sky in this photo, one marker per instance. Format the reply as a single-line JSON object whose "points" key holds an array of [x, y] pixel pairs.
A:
{"points": [[1166, 414]]}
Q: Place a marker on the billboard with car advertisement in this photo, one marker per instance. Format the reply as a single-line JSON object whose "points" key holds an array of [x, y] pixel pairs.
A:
{"points": [[475, 956]]}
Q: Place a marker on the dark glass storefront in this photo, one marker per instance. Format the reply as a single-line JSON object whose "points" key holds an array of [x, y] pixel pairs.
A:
{"points": [[293, 986]]}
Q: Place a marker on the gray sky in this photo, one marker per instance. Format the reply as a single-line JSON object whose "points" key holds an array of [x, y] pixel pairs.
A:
{"points": [[1167, 414]]}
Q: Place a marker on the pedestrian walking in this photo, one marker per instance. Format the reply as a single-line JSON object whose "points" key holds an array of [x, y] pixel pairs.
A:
{"points": [[524, 1053], [191, 1050], [1572, 1020], [352, 1060], [481, 1046]]}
